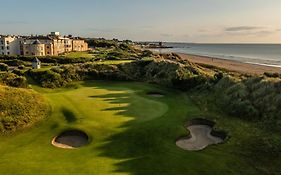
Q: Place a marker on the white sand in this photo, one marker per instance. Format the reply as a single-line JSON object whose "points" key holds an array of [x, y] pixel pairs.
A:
{"points": [[200, 138], [69, 142]]}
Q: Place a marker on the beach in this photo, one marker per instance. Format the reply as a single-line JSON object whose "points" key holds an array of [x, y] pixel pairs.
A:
{"points": [[235, 66]]}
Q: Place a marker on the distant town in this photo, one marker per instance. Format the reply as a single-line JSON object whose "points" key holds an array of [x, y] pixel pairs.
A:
{"points": [[41, 45]]}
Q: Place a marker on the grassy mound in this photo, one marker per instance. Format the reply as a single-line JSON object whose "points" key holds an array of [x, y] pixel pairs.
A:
{"points": [[255, 99], [20, 108]]}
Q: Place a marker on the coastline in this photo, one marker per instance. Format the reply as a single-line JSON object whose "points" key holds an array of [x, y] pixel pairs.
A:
{"points": [[231, 65]]}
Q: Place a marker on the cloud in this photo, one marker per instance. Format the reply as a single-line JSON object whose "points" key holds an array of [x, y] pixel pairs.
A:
{"points": [[249, 31], [242, 28]]}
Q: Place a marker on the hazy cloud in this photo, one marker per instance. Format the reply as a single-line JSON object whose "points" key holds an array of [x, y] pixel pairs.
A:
{"points": [[250, 31], [242, 28]]}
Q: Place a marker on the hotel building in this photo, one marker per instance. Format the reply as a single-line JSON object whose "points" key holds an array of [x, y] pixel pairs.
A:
{"points": [[50, 45]]}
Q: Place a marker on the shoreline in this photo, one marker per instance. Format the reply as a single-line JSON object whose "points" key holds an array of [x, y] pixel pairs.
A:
{"points": [[231, 65]]}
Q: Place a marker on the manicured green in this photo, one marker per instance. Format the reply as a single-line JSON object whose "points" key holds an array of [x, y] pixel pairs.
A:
{"points": [[79, 55], [131, 133]]}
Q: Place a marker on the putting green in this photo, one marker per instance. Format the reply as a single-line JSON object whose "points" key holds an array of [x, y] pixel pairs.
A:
{"points": [[130, 133]]}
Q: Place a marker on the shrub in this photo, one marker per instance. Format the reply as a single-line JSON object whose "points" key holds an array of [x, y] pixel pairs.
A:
{"points": [[48, 78], [102, 43], [253, 98], [217, 77], [272, 75], [21, 67], [4, 67], [146, 53], [12, 79]]}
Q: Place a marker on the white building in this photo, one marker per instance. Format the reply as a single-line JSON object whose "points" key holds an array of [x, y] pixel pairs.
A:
{"points": [[36, 63], [10, 45]]}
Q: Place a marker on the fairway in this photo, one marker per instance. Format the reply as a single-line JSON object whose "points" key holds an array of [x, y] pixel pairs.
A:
{"points": [[129, 132]]}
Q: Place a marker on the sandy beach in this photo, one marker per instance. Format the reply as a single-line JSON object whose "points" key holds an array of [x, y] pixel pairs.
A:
{"points": [[231, 65]]}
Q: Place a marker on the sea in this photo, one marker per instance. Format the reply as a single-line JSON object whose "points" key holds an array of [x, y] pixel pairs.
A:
{"points": [[261, 54]]}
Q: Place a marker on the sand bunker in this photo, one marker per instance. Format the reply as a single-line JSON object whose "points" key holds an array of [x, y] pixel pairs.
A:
{"points": [[155, 94], [71, 139], [201, 135]]}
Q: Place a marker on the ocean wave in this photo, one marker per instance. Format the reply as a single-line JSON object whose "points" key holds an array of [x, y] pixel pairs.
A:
{"points": [[268, 65]]}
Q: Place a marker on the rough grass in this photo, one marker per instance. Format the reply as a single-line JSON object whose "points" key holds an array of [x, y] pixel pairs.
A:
{"points": [[20, 108], [131, 133]]}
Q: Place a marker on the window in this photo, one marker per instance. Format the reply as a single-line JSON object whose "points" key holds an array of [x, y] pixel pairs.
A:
{"points": [[2, 47], [8, 47], [2, 42], [2, 53], [42, 53], [26, 53], [8, 53], [48, 53], [8, 42], [41, 48], [48, 47]]}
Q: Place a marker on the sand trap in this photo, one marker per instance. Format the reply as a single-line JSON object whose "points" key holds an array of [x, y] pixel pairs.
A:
{"points": [[71, 139], [155, 94], [201, 136]]}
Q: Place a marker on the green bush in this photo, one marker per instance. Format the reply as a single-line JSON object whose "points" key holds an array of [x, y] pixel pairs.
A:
{"points": [[12, 79], [272, 75], [166, 73], [146, 53], [48, 78], [254, 98], [4, 67]]}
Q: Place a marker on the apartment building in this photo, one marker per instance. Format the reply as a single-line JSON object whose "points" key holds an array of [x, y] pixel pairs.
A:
{"points": [[10, 45], [37, 46], [50, 45], [79, 44]]}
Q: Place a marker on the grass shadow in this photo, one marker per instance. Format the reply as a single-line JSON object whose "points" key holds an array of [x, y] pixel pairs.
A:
{"points": [[68, 115], [147, 146]]}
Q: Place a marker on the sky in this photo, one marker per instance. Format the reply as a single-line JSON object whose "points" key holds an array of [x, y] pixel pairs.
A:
{"points": [[202, 21]]}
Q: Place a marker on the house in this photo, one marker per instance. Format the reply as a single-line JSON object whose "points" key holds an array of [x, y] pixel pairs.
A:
{"points": [[36, 63]]}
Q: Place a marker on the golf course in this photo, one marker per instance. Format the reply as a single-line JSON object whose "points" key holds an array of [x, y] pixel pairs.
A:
{"points": [[129, 130]]}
